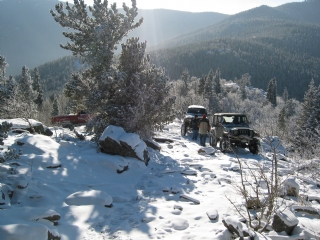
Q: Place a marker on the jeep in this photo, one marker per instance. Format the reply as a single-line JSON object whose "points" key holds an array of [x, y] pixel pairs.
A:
{"points": [[232, 129], [191, 112]]}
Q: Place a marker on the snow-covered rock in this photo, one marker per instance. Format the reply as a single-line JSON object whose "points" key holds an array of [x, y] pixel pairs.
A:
{"points": [[91, 197], [114, 140], [284, 220]]}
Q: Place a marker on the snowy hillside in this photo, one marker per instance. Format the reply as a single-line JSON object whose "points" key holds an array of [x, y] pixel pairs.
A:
{"points": [[67, 187]]}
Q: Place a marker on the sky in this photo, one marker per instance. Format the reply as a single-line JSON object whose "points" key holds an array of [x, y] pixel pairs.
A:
{"points": [[68, 187], [225, 6]]}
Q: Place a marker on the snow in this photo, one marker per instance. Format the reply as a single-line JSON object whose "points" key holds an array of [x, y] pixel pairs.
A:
{"points": [[68, 187]]}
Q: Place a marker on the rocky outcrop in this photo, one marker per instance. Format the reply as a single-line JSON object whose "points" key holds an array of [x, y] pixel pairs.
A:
{"points": [[114, 140]]}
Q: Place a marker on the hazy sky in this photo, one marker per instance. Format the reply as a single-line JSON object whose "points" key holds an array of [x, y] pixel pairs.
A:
{"points": [[220, 6]]}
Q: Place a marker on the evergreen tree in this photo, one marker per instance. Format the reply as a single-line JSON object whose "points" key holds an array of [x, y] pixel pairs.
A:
{"points": [[96, 37], [140, 100], [202, 83], [11, 98], [3, 66], [185, 77], [307, 132], [217, 84], [282, 119], [36, 86], [209, 84], [3, 90], [55, 106], [308, 106], [285, 95], [272, 92], [243, 82], [26, 95]]}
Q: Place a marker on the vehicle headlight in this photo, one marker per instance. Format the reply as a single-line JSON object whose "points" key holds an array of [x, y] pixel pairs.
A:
{"points": [[235, 132]]}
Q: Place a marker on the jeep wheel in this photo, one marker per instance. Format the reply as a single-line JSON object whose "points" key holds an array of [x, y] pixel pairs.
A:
{"points": [[213, 140], [254, 148], [224, 145], [183, 130]]}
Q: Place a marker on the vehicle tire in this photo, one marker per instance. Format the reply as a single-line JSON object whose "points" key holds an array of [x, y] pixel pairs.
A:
{"points": [[213, 140], [183, 130], [224, 145], [254, 148], [71, 127]]}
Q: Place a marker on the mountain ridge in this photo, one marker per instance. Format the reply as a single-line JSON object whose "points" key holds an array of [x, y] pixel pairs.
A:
{"points": [[34, 37]]}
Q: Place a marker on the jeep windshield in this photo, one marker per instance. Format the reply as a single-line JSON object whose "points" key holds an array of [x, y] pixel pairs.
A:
{"points": [[233, 119], [197, 111]]}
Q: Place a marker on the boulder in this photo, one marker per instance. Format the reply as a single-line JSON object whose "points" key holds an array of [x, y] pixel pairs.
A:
{"points": [[235, 226], [6, 194], [284, 220], [152, 144], [291, 187], [115, 141], [22, 124]]}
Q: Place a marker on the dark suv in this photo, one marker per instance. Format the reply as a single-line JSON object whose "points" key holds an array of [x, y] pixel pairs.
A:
{"points": [[232, 129], [192, 111]]}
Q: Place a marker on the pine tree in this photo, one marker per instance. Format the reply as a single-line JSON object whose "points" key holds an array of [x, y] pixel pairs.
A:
{"points": [[140, 100], [185, 77], [307, 133], [209, 84], [26, 95], [308, 105], [55, 106], [3, 90], [11, 98], [36, 86], [282, 119], [3, 66], [272, 92], [243, 82], [217, 84], [285, 95], [98, 31], [201, 85]]}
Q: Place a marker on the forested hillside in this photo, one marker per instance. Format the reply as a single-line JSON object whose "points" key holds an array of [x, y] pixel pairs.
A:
{"points": [[30, 36], [265, 42]]}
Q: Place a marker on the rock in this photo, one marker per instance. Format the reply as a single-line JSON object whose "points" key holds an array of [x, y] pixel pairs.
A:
{"points": [[152, 144], [162, 140], [115, 141], [291, 187], [212, 214], [235, 226], [91, 197], [28, 231], [6, 194], [284, 220], [21, 125], [188, 198], [47, 132]]}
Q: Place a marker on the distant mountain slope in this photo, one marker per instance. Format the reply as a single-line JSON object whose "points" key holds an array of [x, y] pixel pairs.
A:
{"points": [[262, 21], [160, 25], [29, 35], [265, 42]]}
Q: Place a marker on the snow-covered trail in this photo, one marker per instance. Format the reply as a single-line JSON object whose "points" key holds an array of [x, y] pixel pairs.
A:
{"points": [[171, 198]]}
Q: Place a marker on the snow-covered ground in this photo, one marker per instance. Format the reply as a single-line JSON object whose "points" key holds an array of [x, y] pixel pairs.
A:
{"points": [[171, 198]]}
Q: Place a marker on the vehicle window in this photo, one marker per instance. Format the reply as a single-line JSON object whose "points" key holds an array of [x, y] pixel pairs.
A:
{"points": [[227, 119], [197, 110]]}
